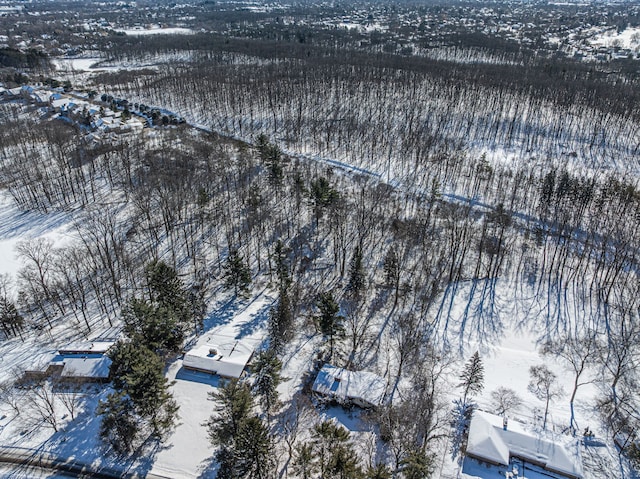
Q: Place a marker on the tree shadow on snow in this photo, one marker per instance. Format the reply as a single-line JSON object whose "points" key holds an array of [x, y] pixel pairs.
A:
{"points": [[198, 377], [208, 469]]}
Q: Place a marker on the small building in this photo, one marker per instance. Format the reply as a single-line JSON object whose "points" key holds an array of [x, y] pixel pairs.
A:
{"points": [[361, 388], [222, 355], [86, 368], [495, 441], [86, 348]]}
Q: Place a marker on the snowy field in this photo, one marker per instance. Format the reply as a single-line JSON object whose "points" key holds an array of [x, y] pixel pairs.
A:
{"points": [[627, 38]]}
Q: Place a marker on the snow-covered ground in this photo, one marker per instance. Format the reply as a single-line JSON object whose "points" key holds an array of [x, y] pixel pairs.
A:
{"points": [[156, 30], [627, 38], [17, 226]]}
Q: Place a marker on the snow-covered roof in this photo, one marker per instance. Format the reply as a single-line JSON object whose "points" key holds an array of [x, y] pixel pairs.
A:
{"points": [[489, 441], [87, 347], [358, 386], [94, 368], [222, 355]]}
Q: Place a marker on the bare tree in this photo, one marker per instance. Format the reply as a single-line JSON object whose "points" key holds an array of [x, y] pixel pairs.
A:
{"points": [[70, 393], [11, 396], [505, 400], [544, 385], [41, 401], [578, 353]]}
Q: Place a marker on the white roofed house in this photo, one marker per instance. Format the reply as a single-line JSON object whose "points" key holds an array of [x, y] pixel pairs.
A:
{"points": [[495, 441], [222, 355], [85, 368], [361, 388], [85, 361]]}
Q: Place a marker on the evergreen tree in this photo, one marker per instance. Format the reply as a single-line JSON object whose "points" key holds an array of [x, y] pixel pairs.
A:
{"points": [[322, 196], [120, 425], [166, 288], [141, 395], [282, 268], [379, 471], [281, 321], [356, 274], [392, 272], [11, 321], [417, 464], [253, 447], [472, 377], [235, 405], [328, 321], [237, 273], [156, 327], [304, 461], [244, 441], [334, 451], [267, 368]]}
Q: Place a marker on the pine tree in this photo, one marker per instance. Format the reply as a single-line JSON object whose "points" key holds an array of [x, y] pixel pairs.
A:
{"points": [[235, 405], [267, 368], [472, 377], [253, 446], [334, 451], [356, 274], [166, 288], [417, 464], [329, 322], [11, 321], [244, 441], [237, 273], [282, 268], [120, 425], [154, 326], [304, 461], [141, 394], [281, 321], [379, 471]]}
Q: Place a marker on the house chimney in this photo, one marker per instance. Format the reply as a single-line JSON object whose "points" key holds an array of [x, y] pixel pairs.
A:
{"points": [[213, 351]]}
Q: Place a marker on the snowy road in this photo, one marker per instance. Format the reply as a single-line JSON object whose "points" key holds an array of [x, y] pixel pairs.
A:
{"points": [[29, 463]]}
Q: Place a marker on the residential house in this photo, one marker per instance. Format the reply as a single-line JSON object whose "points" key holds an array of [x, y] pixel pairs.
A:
{"points": [[222, 355], [361, 388], [494, 440]]}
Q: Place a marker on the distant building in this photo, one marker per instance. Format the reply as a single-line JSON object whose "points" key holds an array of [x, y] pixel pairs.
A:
{"points": [[494, 441], [222, 355], [361, 388]]}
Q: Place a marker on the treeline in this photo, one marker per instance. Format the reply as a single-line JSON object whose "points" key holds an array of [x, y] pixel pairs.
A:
{"points": [[558, 79], [31, 58]]}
